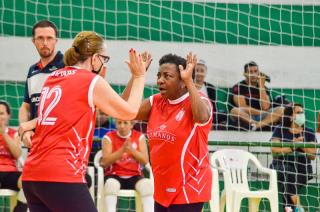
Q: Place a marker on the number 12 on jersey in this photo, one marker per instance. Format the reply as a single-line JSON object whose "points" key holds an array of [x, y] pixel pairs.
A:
{"points": [[44, 112]]}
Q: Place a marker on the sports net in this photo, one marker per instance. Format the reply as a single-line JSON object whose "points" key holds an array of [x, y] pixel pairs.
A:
{"points": [[281, 36]]}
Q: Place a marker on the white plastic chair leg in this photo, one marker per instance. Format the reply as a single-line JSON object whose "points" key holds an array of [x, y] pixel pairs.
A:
{"points": [[254, 204]]}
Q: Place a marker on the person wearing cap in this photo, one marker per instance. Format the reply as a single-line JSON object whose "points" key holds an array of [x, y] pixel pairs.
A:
{"points": [[250, 100], [205, 87]]}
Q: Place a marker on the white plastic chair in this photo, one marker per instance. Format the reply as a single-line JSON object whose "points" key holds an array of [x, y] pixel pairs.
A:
{"points": [[234, 163], [214, 202], [10, 193], [122, 193], [90, 172]]}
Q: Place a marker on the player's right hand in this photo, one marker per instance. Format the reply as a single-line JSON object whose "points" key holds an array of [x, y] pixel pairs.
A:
{"points": [[26, 138], [136, 64]]}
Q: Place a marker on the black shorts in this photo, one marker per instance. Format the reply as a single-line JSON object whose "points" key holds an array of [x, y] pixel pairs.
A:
{"points": [[9, 180], [54, 196], [126, 183], [193, 207]]}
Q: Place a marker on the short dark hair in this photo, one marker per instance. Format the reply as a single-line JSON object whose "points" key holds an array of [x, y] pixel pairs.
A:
{"points": [[250, 64], [42, 24], [287, 114], [6, 105], [175, 59]]}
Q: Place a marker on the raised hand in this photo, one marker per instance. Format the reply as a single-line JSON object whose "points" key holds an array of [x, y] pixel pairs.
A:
{"points": [[147, 59], [136, 64], [186, 74]]}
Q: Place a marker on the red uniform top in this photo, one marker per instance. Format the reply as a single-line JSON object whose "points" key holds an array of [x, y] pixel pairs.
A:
{"points": [[63, 137], [127, 166], [178, 152], [7, 162]]}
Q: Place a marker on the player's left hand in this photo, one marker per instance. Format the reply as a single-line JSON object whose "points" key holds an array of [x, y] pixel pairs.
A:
{"points": [[186, 74]]}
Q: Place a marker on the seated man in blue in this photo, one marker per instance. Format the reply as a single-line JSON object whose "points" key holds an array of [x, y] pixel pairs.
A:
{"points": [[293, 165]]}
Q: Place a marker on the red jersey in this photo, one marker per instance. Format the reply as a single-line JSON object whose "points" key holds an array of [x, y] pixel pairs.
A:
{"points": [[7, 162], [127, 166], [63, 137], [178, 152]]}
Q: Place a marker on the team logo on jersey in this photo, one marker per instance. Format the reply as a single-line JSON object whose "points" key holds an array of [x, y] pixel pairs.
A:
{"points": [[53, 68], [163, 127], [180, 115]]}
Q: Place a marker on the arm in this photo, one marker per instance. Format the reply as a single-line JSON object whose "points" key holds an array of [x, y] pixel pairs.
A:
{"points": [[264, 97], [140, 155], [240, 101], [311, 151], [13, 144], [24, 112], [109, 157], [106, 99], [279, 149], [201, 110], [144, 110]]}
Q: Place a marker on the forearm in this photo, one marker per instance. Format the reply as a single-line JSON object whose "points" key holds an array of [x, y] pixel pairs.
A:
{"points": [[127, 90], [24, 114], [140, 157], [200, 110], [278, 150], [111, 158], [136, 93], [251, 110], [264, 99], [12, 145]]}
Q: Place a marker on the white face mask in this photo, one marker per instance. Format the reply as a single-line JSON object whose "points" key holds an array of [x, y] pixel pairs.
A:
{"points": [[300, 119]]}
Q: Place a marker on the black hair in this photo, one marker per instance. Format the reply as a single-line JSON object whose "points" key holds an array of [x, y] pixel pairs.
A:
{"points": [[175, 59], [249, 64], [6, 105], [42, 24], [288, 113]]}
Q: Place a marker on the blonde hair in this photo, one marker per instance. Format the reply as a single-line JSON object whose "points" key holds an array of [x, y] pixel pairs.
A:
{"points": [[85, 44]]}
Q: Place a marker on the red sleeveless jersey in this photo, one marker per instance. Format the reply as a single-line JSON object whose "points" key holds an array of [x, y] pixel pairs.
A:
{"points": [[178, 152], [7, 162], [127, 166], [63, 137]]}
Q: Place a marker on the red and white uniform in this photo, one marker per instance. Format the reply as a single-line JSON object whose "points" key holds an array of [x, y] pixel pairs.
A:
{"points": [[7, 162], [127, 166], [178, 152], [63, 137]]}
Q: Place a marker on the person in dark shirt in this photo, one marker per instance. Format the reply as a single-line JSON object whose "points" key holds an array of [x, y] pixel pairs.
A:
{"points": [[208, 89], [251, 100], [44, 38], [294, 169]]}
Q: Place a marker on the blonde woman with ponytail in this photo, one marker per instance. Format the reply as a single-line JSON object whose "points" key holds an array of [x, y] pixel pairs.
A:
{"points": [[53, 175]]}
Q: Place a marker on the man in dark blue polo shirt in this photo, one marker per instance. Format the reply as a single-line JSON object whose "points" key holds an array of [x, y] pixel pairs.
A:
{"points": [[251, 100], [44, 37]]}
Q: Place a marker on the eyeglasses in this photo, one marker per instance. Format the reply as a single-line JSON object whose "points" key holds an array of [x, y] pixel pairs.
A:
{"points": [[105, 58], [42, 39]]}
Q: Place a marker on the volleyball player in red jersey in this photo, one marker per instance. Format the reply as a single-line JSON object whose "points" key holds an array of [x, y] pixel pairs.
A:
{"points": [[179, 120], [53, 175], [123, 152], [10, 151]]}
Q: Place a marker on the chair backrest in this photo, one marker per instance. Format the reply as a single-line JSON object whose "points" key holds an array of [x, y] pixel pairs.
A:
{"points": [[236, 162]]}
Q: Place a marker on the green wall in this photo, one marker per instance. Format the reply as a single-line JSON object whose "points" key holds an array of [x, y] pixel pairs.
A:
{"points": [[180, 21]]}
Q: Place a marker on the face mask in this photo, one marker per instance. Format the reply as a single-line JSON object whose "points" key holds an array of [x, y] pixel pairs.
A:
{"points": [[300, 119], [96, 71]]}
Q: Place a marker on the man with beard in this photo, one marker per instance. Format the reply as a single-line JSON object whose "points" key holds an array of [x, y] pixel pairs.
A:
{"points": [[44, 37]]}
